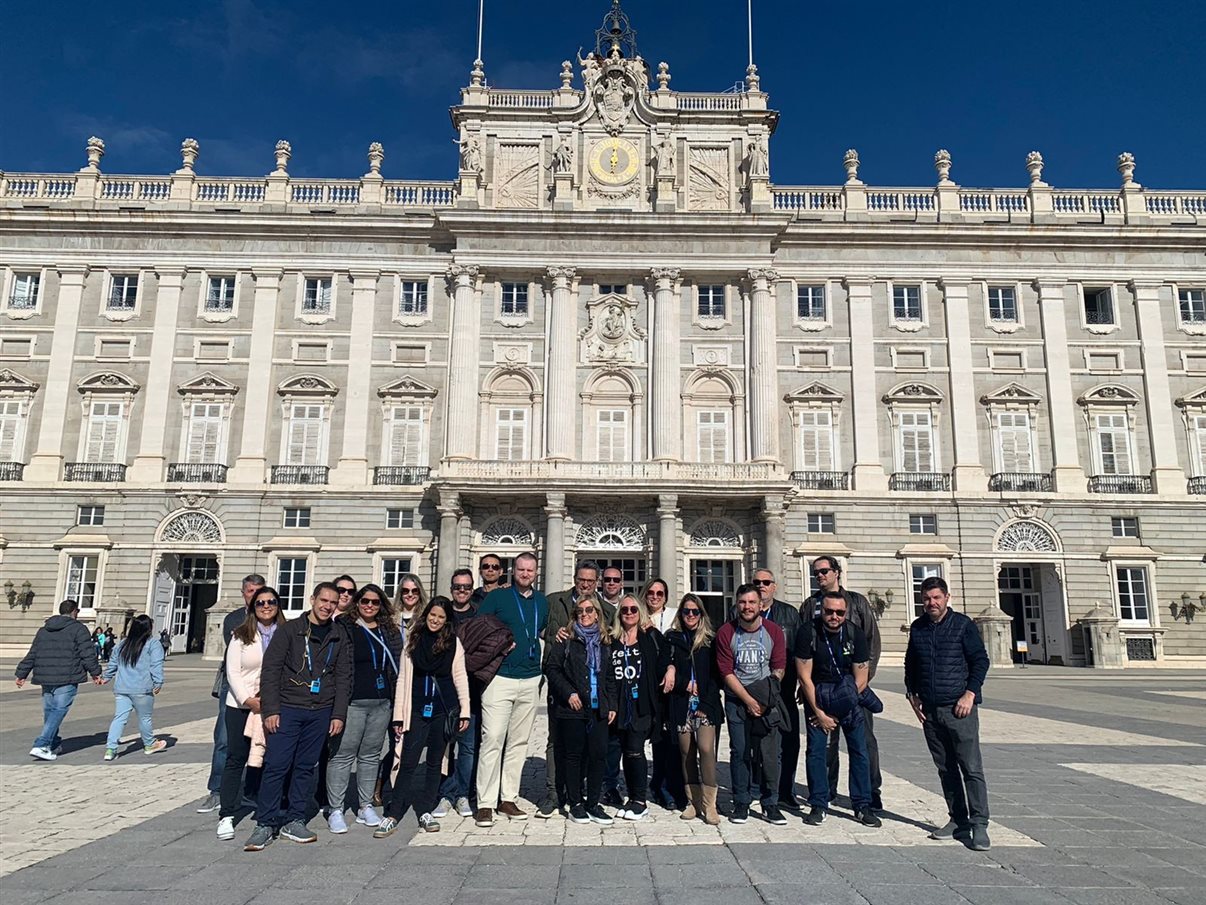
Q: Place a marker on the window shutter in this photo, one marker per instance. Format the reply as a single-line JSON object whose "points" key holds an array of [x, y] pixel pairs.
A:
{"points": [[916, 442], [816, 441], [1200, 437], [204, 432], [1013, 436], [104, 428], [512, 434], [10, 429], [406, 435], [612, 435], [713, 436], [1114, 444], [305, 435]]}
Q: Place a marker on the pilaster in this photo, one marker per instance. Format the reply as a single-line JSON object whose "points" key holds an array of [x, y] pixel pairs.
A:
{"points": [[560, 376], [1068, 476], [764, 367], [1167, 474], [449, 507], [252, 462], [461, 415], [554, 541], [149, 464], [773, 521], [868, 467], [666, 440], [968, 472], [667, 543], [352, 469]]}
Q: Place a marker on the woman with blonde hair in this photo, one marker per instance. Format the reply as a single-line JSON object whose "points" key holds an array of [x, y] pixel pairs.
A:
{"points": [[409, 600], [637, 665], [692, 684]]}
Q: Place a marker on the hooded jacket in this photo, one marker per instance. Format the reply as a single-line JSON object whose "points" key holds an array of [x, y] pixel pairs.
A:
{"points": [[62, 653]]}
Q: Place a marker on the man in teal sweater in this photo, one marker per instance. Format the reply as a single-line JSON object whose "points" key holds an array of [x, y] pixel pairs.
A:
{"points": [[510, 700]]}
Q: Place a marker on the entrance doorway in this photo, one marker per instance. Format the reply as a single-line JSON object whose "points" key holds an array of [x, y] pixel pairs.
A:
{"points": [[635, 571], [1020, 597], [185, 587]]}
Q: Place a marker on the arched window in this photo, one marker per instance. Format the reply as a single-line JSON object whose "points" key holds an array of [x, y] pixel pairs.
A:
{"points": [[1026, 536], [714, 412], [511, 413], [191, 527], [612, 415]]}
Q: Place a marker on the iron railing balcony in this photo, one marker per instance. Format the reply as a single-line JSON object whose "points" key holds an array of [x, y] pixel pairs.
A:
{"points": [[1120, 483], [299, 474], [821, 480], [400, 474], [98, 472], [11, 471], [196, 473], [1020, 482], [1197, 486], [933, 481]]}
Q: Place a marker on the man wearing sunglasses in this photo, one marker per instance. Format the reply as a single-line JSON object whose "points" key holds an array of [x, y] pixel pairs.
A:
{"points": [[490, 568], [787, 617], [611, 592], [457, 787], [827, 572]]}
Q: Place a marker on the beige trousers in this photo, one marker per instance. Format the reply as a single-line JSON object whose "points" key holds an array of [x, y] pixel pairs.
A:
{"points": [[508, 712]]}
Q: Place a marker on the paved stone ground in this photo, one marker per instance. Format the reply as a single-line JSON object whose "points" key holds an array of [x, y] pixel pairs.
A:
{"points": [[1097, 783]]}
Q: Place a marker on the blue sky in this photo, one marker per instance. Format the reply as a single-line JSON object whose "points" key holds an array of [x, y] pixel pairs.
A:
{"points": [[990, 81]]}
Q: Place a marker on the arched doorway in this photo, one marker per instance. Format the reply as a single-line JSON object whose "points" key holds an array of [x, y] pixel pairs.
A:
{"points": [[1030, 589], [184, 585], [619, 540]]}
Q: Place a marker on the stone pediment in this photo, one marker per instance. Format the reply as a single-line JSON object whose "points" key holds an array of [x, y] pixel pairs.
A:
{"points": [[207, 384], [1011, 394], [813, 392], [406, 388], [1196, 399], [108, 382], [612, 336], [12, 382], [306, 385], [913, 392], [1109, 395]]}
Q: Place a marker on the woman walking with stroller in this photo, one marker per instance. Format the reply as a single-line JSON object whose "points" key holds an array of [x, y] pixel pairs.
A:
{"points": [[136, 671]]}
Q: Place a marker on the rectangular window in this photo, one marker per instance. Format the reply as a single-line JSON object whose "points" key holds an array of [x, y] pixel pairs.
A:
{"points": [[12, 428], [1015, 447], [713, 432], [297, 517], [1192, 303], [1113, 444], [810, 303], [105, 423], [413, 297], [219, 295], [816, 441], [514, 299], [921, 571], [392, 570], [24, 293], [1124, 526], [291, 583], [1132, 593], [1099, 306], [305, 432], [714, 580], [399, 518], [204, 441], [90, 516], [316, 298], [821, 523], [123, 293], [711, 301], [406, 435], [1003, 304], [906, 303], [923, 524], [1197, 428], [612, 289], [81, 580], [511, 443], [916, 443], [612, 434]]}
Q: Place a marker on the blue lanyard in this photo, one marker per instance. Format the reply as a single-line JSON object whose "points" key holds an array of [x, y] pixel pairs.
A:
{"points": [[378, 639], [837, 669], [522, 618], [309, 667], [429, 688]]}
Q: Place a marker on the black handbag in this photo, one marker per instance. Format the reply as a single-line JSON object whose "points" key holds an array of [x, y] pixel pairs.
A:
{"points": [[452, 718]]}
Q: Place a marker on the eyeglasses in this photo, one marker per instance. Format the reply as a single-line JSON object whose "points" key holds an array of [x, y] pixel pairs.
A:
{"points": [[763, 582], [368, 601], [655, 594], [491, 567], [346, 590], [586, 610], [265, 603], [629, 610], [612, 579], [410, 592], [462, 587], [821, 573], [689, 611], [828, 612]]}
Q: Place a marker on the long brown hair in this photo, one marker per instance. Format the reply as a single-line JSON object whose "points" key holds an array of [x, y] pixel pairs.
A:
{"points": [[445, 637], [247, 632], [385, 612]]}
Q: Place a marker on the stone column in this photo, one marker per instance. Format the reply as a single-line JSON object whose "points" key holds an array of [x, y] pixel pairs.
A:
{"points": [[251, 464], [666, 437], [448, 555], [996, 631], [463, 357], [554, 542], [149, 464], [773, 522], [968, 472], [352, 468], [1167, 475], [1067, 475], [560, 377], [1101, 628], [667, 545], [868, 466], [46, 464], [763, 367]]}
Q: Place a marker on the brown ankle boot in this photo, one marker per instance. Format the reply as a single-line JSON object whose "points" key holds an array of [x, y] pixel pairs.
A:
{"points": [[694, 806], [710, 814]]}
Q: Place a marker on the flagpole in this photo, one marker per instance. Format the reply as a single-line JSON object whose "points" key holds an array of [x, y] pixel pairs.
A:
{"points": [[749, 25], [480, 12]]}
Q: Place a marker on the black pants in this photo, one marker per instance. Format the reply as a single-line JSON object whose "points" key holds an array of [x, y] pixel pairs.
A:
{"points": [[419, 788], [789, 745], [831, 759], [636, 765], [553, 758], [667, 778], [238, 748], [955, 746], [582, 749], [293, 752]]}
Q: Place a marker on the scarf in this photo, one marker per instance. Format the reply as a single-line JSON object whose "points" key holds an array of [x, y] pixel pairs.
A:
{"points": [[592, 638], [426, 660], [265, 634]]}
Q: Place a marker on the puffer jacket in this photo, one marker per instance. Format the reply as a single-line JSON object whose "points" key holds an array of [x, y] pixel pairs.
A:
{"points": [[568, 674], [486, 640], [945, 659], [62, 653]]}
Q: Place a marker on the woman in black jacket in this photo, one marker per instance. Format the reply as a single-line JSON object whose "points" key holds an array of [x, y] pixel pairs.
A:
{"points": [[692, 685], [583, 693]]}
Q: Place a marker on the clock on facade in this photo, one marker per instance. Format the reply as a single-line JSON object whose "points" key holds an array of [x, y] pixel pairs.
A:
{"points": [[614, 161]]}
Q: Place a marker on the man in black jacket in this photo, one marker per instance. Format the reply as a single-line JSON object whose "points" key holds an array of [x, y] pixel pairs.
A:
{"points": [[827, 571], [787, 617], [945, 668], [305, 685], [61, 657]]}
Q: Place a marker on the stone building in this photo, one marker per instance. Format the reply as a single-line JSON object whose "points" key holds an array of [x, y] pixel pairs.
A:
{"points": [[612, 336]]}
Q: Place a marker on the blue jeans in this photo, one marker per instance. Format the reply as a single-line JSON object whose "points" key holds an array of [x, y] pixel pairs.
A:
{"points": [[293, 752], [218, 762], [818, 771], [56, 701], [459, 783], [142, 704], [752, 760]]}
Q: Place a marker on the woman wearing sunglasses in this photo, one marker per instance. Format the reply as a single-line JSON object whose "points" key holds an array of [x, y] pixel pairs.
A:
{"points": [[636, 661], [244, 657], [666, 785], [695, 711], [377, 647], [582, 690], [409, 600]]}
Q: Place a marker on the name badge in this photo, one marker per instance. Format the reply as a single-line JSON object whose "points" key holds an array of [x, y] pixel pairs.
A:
{"points": [[315, 686], [428, 710], [380, 683], [634, 692], [533, 653], [693, 703]]}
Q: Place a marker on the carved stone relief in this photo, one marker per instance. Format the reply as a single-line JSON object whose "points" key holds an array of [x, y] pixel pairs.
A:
{"points": [[709, 180], [517, 176], [612, 335]]}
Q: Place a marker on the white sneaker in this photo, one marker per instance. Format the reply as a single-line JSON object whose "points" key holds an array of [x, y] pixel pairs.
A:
{"points": [[43, 754], [368, 816], [336, 823], [463, 807], [226, 828], [441, 809]]}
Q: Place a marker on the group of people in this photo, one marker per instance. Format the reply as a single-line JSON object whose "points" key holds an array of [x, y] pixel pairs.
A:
{"points": [[105, 639]]}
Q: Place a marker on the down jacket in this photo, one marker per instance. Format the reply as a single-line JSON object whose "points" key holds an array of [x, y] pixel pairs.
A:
{"points": [[62, 653], [945, 659], [486, 640]]}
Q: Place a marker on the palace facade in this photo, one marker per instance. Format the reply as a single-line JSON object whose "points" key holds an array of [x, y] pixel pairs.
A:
{"points": [[611, 337]]}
